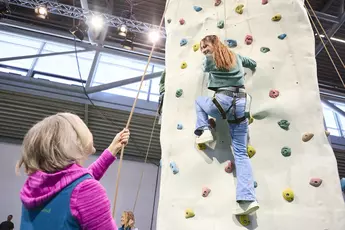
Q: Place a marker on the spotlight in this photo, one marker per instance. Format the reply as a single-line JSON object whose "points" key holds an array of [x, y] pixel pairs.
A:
{"points": [[97, 22], [80, 30], [41, 11], [154, 36], [123, 31]]}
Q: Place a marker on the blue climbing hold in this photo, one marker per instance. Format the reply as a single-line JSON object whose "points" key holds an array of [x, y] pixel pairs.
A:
{"points": [[255, 184], [179, 126], [174, 168], [231, 43], [342, 182], [282, 36], [183, 42], [197, 8]]}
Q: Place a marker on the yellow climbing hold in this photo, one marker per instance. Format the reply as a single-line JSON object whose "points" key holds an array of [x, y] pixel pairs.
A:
{"points": [[201, 146], [196, 47], [244, 220], [276, 18], [189, 213], [327, 133], [239, 9], [250, 151], [183, 65], [288, 194], [251, 119]]}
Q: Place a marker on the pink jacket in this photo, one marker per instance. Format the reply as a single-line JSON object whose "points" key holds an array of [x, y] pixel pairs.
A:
{"points": [[89, 203]]}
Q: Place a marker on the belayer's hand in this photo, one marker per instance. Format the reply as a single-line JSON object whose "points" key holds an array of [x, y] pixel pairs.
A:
{"points": [[120, 139]]}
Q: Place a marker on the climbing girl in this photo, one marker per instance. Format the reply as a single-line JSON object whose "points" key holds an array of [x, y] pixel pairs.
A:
{"points": [[59, 193], [127, 221], [161, 94], [226, 78]]}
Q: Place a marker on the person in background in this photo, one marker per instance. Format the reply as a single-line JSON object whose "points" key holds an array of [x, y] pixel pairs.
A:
{"points": [[7, 225], [127, 221], [161, 93], [59, 193]]}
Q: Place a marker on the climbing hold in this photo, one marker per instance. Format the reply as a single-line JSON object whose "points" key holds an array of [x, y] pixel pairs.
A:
{"points": [[274, 93], [264, 2], [307, 136], [179, 92], [288, 195], [250, 151], [205, 191], [286, 151], [217, 2], [327, 133], [251, 119], [316, 182], [179, 126], [169, 20], [197, 8], [196, 47], [342, 183], [239, 9], [231, 43], [220, 24], [183, 42], [183, 65], [244, 220], [212, 123], [282, 36], [276, 18], [173, 167], [255, 184], [249, 39], [229, 167], [284, 124], [265, 49], [201, 146], [182, 21], [189, 213]]}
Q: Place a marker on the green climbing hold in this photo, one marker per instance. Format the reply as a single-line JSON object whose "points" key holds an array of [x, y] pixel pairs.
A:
{"points": [[284, 124], [255, 184], [179, 92], [265, 49], [220, 24], [169, 20], [286, 151]]}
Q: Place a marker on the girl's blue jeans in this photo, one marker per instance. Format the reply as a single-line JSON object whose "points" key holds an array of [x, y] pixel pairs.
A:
{"points": [[238, 132]]}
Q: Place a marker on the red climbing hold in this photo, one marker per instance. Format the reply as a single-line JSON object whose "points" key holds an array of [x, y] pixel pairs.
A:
{"points": [[182, 21], [274, 93], [212, 123], [229, 167], [249, 39], [264, 2], [217, 2]]}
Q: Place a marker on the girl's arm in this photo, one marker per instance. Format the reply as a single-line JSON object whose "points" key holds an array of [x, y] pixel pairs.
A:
{"points": [[247, 62], [208, 63], [100, 166], [91, 207]]}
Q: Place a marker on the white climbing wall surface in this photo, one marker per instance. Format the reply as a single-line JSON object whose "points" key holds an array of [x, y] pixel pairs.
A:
{"points": [[288, 67]]}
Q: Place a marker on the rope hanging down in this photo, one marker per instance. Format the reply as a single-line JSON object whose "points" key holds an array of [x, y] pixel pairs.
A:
{"points": [[132, 111]]}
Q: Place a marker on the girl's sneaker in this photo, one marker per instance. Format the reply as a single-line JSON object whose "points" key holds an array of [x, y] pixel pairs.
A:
{"points": [[205, 137], [246, 207]]}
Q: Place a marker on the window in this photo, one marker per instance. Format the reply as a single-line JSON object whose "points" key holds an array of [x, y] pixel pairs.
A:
{"points": [[335, 122]]}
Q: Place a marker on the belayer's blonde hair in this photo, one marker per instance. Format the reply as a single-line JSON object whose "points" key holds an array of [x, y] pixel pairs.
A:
{"points": [[128, 215], [54, 143], [224, 58]]}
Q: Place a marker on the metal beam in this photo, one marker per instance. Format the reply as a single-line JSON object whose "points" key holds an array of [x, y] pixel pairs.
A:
{"points": [[327, 5], [330, 34], [93, 70], [342, 5], [34, 63], [81, 14], [115, 84], [324, 16], [41, 55], [333, 107]]}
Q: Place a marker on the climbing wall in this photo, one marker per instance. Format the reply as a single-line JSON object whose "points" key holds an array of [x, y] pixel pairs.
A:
{"points": [[295, 172]]}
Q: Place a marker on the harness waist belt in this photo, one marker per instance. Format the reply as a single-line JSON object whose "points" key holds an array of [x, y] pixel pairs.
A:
{"points": [[232, 94]]}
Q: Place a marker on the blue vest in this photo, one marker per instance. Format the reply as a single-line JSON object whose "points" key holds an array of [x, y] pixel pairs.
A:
{"points": [[55, 214]]}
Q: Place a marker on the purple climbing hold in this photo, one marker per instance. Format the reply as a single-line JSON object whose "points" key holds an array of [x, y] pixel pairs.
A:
{"points": [[316, 182]]}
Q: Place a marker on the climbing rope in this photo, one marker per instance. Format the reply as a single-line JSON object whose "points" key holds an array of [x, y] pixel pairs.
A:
{"points": [[131, 115], [329, 40], [329, 55]]}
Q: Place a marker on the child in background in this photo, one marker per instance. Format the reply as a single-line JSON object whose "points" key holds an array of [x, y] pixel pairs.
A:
{"points": [[226, 78], [127, 221]]}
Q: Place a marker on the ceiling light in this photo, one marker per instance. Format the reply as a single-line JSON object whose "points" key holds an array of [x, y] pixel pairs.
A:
{"points": [[154, 36], [123, 30], [41, 11], [97, 22]]}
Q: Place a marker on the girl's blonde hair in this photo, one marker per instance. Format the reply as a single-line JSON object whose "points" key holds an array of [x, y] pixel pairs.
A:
{"points": [[54, 143], [128, 215], [225, 59]]}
